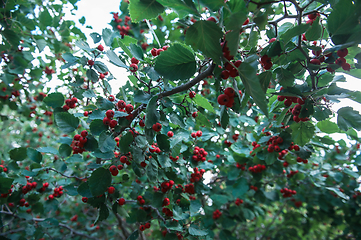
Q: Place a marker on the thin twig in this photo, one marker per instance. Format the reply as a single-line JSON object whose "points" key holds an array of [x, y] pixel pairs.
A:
{"points": [[52, 169]]}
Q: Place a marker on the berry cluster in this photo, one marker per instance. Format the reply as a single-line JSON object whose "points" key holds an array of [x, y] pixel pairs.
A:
{"points": [[124, 107], [196, 176], [287, 192], [155, 52], [140, 200], [79, 141], [216, 214], [238, 201], [154, 148], [133, 66], [113, 170], [108, 119], [43, 188], [257, 168], [227, 98], [297, 203], [299, 159], [254, 188], [241, 166], [273, 144], [199, 154], [4, 169], [166, 186], [124, 160], [70, 103], [123, 30], [230, 70], [57, 193], [48, 71], [292, 173], [197, 134], [189, 188], [226, 53], [312, 17], [28, 187], [145, 226], [166, 202], [174, 159], [167, 212], [266, 62], [157, 127], [354, 196]]}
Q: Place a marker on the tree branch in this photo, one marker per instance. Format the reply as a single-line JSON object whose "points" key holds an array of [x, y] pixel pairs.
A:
{"points": [[52, 169], [273, 220]]}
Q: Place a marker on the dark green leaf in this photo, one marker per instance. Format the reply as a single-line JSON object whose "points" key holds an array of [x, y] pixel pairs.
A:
{"points": [[240, 188], [125, 142], [314, 33], [144, 9], [179, 214], [97, 127], [102, 214], [163, 142], [34, 155], [152, 113], [106, 142], [18, 154], [65, 150], [99, 181], [251, 83], [302, 132], [137, 51], [66, 122], [83, 45], [152, 170], [141, 97], [134, 235], [293, 32], [195, 231], [205, 35], [224, 117], [54, 100], [284, 77], [178, 62], [48, 150], [347, 117], [5, 185], [182, 8], [100, 67], [92, 75]]}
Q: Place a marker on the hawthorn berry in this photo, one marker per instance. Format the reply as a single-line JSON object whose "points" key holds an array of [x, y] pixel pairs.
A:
{"points": [[223, 99], [342, 52], [121, 201], [84, 199], [84, 133], [194, 114], [129, 108], [134, 60], [121, 104], [170, 134], [192, 94], [100, 47], [157, 127], [229, 92], [90, 62], [133, 67]]}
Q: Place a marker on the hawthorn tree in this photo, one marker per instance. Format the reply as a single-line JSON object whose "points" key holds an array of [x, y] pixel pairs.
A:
{"points": [[222, 130]]}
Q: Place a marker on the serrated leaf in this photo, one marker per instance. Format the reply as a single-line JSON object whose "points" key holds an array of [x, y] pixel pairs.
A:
{"points": [[97, 127], [302, 132], [66, 122], [178, 62], [144, 9], [34, 155], [195, 231], [152, 115], [284, 77], [293, 32], [179, 214], [205, 36], [182, 8], [113, 58], [5, 184], [163, 142], [327, 126], [102, 214], [54, 100], [48, 150], [315, 31], [251, 82], [347, 118], [152, 170], [82, 45], [240, 188], [224, 117], [18, 154], [203, 102], [106, 142], [134, 235], [65, 150], [99, 181]]}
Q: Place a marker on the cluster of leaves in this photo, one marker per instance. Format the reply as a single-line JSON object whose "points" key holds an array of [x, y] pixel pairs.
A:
{"points": [[174, 160]]}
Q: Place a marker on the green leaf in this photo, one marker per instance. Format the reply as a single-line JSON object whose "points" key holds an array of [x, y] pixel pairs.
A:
{"points": [[293, 32], [240, 188], [178, 62], [113, 58], [179, 214], [344, 18], [214, 5], [66, 122], [34, 155], [152, 113], [106, 142], [125, 142], [224, 117], [182, 8], [137, 51], [152, 170], [41, 44], [97, 127], [5, 185], [144, 9], [48, 150], [134, 235], [54, 100], [108, 36], [12, 37], [65, 150], [164, 161], [194, 207], [251, 82], [83, 45], [284, 77], [18, 154], [100, 67], [203, 102], [99, 181], [102, 214], [45, 18], [163, 142], [314, 33], [347, 118], [327, 126], [141, 97], [302, 132], [96, 37], [195, 231], [204, 36], [92, 75]]}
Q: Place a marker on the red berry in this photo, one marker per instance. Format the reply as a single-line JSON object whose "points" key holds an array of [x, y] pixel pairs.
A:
{"points": [[121, 104], [100, 47], [84, 199], [192, 94], [223, 99], [111, 98], [342, 52], [133, 67], [90, 62], [229, 92], [109, 114], [129, 108], [121, 201], [134, 60], [315, 61], [170, 134], [111, 190], [157, 127]]}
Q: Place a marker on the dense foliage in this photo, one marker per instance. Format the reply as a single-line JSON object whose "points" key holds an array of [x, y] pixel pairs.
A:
{"points": [[222, 130]]}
